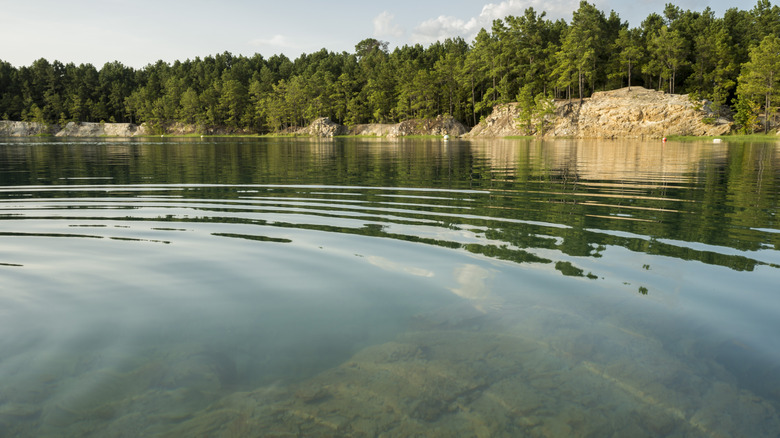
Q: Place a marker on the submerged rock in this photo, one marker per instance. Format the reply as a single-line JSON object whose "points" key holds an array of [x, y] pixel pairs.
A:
{"points": [[532, 371]]}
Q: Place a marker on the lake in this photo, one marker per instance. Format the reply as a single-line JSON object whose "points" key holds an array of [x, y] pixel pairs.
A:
{"points": [[372, 287]]}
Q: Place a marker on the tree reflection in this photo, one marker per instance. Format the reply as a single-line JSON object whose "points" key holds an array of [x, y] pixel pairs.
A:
{"points": [[524, 198]]}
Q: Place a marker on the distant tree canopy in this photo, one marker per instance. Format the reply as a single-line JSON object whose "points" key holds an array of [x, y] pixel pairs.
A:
{"points": [[725, 60]]}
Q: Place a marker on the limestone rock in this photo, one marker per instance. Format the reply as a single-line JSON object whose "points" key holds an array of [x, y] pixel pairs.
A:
{"points": [[86, 129], [324, 127], [441, 125], [502, 122], [377, 129], [623, 113], [25, 129]]}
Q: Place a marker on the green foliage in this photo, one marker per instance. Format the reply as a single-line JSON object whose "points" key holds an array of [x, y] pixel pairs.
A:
{"points": [[535, 111], [667, 53], [583, 47], [521, 57], [545, 109], [527, 109], [627, 50], [760, 78], [746, 116]]}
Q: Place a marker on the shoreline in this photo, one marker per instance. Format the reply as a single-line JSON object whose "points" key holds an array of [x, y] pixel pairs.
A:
{"points": [[678, 138]]}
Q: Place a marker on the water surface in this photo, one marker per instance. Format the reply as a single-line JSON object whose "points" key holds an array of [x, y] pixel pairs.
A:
{"points": [[296, 287]]}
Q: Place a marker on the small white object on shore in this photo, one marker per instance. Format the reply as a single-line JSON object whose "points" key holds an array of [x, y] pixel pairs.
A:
{"points": [[716, 140], [446, 137]]}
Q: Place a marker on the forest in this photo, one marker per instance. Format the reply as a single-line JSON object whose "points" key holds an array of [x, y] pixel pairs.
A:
{"points": [[733, 61]]}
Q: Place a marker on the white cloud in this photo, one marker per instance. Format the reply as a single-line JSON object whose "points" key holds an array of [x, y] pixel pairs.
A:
{"points": [[443, 27], [384, 27], [275, 41]]}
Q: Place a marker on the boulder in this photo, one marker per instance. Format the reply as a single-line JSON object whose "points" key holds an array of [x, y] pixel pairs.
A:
{"points": [[323, 127]]}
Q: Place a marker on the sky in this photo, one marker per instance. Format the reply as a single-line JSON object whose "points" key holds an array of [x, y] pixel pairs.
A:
{"points": [[140, 32]]}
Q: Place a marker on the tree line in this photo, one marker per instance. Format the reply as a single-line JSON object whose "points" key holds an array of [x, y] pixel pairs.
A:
{"points": [[733, 61]]}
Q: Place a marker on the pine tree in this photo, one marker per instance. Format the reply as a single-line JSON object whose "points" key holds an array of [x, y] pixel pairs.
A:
{"points": [[760, 78]]}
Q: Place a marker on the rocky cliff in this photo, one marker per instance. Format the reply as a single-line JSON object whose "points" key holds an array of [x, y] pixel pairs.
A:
{"points": [[623, 113], [25, 129], [441, 125], [377, 129], [72, 129], [323, 127], [84, 129]]}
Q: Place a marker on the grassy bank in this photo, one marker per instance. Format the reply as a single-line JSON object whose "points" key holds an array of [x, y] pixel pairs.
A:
{"points": [[728, 137]]}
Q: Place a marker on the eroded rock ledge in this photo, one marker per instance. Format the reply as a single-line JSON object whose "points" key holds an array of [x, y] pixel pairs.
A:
{"points": [[72, 129], [441, 125], [26, 129], [623, 113]]}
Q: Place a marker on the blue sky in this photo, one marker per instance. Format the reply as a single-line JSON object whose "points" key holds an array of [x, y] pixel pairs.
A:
{"points": [[140, 32]]}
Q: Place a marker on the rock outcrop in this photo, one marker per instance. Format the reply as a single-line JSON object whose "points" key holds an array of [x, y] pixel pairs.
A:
{"points": [[623, 113], [323, 127], [26, 129], [441, 125], [85, 129], [72, 129], [502, 122], [377, 129]]}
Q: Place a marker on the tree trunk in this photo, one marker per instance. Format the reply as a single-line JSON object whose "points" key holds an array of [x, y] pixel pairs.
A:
{"points": [[473, 103], [766, 114], [494, 83]]}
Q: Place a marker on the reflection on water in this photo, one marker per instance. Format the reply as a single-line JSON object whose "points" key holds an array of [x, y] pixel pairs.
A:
{"points": [[358, 288]]}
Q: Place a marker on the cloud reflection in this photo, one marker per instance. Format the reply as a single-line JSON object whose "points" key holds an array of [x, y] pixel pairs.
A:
{"points": [[391, 266], [473, 284]]}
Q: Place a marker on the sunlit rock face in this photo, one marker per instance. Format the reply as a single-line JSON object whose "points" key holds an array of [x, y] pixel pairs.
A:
{"points": [[72, 129], [324, 127], [23, 129], [85, 129], [441, 125], [625, 113]]}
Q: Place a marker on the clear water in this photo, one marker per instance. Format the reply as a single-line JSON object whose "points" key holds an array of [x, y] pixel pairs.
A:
{"points": [[388, 288]]}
